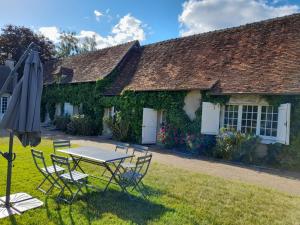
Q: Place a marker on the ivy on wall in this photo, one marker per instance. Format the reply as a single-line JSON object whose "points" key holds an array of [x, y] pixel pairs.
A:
{"points": [[287, 156], [216, 99], [131, 104], [87, 94]]}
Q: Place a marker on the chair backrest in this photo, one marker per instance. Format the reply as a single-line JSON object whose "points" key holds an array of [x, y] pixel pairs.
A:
{"points": [[61, 161], [60, 144], [39, 160], [142, 165], [122, 147], [140, 148]]}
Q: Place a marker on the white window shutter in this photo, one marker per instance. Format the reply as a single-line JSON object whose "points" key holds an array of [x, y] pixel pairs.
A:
{"points": [[210, 121], [283, 130], [68, 109]]}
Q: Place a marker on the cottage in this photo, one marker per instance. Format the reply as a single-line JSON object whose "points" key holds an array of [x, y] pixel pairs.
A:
{"points": [[4, 72], [232, 76]]}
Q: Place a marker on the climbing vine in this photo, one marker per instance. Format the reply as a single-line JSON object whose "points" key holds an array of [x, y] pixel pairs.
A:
{"points": [[287, 156], [220, 99], [130, 104]]}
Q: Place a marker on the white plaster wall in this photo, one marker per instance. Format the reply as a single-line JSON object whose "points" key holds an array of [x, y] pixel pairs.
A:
{"points": [[192, 102]]}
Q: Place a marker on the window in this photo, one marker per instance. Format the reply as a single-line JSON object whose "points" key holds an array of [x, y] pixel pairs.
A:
{"points": [[269, 121], [249, 119], [231, 117], [252, 119], [4, 102]]}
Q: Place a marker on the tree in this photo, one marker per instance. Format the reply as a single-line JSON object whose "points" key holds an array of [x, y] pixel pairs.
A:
{"points": [[88, 44], [15, 39], [68, 45]]}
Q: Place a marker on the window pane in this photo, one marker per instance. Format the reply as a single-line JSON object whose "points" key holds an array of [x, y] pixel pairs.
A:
{"points": [[269, 121], [249, 119], [231, 117], [4, 105]]}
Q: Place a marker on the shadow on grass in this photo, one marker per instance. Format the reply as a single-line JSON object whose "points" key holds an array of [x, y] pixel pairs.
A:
{"points": [[93, 205]]}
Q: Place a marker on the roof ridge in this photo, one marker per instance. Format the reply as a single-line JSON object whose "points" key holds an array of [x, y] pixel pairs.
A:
{"points": [[95, 51], [229, 29]]}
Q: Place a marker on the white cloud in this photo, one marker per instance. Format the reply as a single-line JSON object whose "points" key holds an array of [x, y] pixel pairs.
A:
{"points": [[127, 29], [205, 15], [98, 14], [50, 32]]}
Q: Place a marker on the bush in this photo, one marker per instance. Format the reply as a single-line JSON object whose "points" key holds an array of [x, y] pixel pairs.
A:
{"points": [[118, 126], [171, 137], [61, 122], [81, 125], [201, 144], [233, 145]]}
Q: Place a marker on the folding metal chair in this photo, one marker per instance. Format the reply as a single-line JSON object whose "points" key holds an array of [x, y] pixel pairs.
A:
{"points": [[60, 144], [120, 147], [71, 178], [47, 171], [141, 150], [133, 178]]}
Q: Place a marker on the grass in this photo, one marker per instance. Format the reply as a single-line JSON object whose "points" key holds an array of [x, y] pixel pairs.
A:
{"points": [[177, 197]]}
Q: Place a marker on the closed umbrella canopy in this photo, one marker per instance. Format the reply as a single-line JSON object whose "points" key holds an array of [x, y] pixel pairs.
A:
{"points": [[23, 112], [22, 118]]}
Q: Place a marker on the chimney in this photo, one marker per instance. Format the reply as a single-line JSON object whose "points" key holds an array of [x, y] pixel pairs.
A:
{"points": [[10, 62]]}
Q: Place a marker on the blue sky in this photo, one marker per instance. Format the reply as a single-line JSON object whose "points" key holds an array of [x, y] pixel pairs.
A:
{"points": [[117, 21]]}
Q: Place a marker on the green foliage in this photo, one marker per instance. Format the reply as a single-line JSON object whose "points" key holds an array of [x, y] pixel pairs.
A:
{"points": [[130, 105], [68, 45], [15, 40], [118, 126], [88, 44], [221, 99], [287, 156], [61, 122], [233, 145], [81, 125]]}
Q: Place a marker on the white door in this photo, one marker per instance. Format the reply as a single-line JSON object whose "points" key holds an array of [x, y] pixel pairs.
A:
{"points": [[210, 120], [283, 130], [149, 126]]}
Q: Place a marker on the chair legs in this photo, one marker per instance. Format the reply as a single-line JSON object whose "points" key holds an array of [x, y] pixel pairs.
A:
{"points": [[74, 194], [141, 188], [51, 180]]}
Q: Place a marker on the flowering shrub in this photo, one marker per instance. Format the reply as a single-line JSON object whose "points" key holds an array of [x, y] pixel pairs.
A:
{"points": [[170, 137], [197, 143], [233, 145], [193, 141]]}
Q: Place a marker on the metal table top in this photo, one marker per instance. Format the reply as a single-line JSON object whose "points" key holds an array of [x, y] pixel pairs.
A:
{"points": [[95, 154]]}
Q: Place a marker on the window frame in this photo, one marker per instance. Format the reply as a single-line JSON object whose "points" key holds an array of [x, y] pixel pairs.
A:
{"points": [[264, 139], [7, 99]]}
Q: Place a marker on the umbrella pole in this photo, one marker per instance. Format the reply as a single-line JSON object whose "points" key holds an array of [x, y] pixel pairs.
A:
{"points": [[9, 168]]}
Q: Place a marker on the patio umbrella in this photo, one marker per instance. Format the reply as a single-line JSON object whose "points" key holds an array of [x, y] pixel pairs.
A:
{"points": [[22, 117]]}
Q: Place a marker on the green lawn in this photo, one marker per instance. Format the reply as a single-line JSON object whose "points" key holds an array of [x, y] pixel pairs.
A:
{"points": [[178, 197]]}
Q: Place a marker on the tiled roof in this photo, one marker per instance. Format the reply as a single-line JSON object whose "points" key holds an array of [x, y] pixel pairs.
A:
{"points": [[4, 73], [262, 57], [86, 67]]}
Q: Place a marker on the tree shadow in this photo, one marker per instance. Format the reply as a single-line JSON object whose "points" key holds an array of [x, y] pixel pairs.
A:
{"points": [[128, 208], [93, 205]]}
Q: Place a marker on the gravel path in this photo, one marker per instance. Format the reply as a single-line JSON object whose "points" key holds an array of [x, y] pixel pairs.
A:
{"points": [[285, 181]]}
